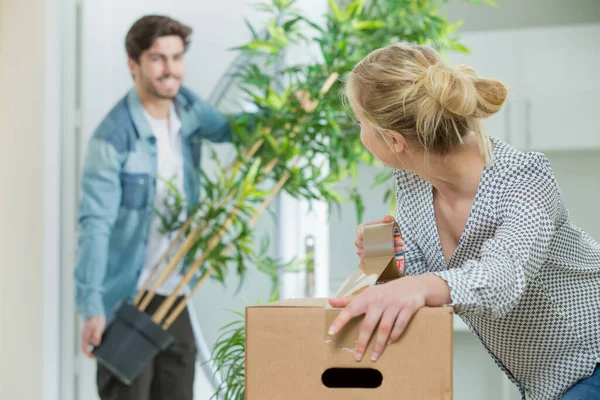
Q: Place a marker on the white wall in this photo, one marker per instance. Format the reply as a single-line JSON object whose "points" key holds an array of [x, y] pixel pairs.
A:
{"points": [[29, 125], [522, 13]]}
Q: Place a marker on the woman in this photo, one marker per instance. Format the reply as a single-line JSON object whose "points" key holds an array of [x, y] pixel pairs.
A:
{"points": [[484, 227]]}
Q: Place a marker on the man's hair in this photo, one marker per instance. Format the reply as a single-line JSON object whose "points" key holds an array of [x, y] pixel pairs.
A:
{"points": [[147, 29]]}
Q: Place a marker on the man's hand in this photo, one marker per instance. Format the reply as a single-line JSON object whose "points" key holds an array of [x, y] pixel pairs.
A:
{"points": [[306, 102], [92, 333]]}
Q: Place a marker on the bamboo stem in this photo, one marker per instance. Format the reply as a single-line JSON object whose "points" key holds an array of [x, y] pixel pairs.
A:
{"points": [[181, 252], [249, 154], [166, 305], [186, 245], [328, 83], [182, 304], [310, 105], [140, 294]]}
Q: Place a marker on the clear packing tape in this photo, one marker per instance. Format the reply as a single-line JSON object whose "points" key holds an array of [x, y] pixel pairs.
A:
{"points": [[380, 264]]}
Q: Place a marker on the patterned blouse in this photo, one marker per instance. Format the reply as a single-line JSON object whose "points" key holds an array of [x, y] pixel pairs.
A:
{"points": [[524, 278]]}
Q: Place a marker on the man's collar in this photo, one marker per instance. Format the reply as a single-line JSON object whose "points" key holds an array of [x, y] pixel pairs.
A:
{"points": [[136, 109], [183, 103]]}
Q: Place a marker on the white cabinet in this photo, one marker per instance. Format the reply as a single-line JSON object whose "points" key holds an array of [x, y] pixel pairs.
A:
{"points": [[561, 85], [560, 59], [552, 77]]}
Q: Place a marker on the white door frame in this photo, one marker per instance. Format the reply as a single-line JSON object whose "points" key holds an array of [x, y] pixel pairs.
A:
{"points": [[69, 177]]}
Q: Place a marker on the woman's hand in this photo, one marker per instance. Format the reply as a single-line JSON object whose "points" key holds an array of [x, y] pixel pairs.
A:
{"points": [[391, 305], [398, 245]]}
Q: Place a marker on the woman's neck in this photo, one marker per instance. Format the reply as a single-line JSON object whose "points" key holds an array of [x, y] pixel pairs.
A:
{"points": [[454, 176]]}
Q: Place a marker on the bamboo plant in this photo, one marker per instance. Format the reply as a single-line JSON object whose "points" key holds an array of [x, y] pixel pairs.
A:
{"points": [[301, 140]]}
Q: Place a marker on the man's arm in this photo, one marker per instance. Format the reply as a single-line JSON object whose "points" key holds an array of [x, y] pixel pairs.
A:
{"points": [[98, 211], [215, 125]]}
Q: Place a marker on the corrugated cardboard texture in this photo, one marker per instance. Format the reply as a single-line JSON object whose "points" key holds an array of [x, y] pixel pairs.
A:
{"points": [[286, 356]]}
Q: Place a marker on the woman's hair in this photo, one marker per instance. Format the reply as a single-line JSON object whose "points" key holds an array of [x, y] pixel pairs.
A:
{"points": [[407, 88]]}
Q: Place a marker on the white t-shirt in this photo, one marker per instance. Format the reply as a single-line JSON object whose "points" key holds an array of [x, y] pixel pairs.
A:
{"points": [[169, 167]]}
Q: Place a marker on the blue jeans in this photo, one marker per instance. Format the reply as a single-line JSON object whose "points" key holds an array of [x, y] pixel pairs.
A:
{"points": [[585, 389]]}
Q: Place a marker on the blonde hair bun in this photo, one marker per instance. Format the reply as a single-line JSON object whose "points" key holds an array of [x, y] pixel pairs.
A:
{"points": [[460, 91], [407, 88]]}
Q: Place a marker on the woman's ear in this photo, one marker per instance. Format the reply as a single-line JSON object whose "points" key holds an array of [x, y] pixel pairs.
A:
{"points": [[398, 142]]}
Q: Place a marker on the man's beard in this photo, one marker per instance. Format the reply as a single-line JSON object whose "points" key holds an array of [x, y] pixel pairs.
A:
{"points": [[151, 88]]}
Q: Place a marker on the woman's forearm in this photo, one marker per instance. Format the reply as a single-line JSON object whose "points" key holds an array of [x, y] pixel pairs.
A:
{"points": [[437, 291]]}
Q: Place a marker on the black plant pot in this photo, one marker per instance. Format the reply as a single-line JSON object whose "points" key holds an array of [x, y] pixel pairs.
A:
{"points": [[130, 342]]}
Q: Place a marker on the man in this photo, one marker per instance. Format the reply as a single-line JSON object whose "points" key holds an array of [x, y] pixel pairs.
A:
{"points": [[154, 131]]}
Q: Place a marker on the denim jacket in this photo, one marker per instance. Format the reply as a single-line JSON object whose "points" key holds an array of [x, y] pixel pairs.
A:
{"points": [[118, 185]]}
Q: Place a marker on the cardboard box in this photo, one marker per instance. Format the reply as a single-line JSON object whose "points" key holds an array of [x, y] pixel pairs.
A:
{"points": [[289, 355]]}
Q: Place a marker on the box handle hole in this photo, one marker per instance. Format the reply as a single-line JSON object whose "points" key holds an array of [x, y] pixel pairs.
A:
{"points": [[364, 378]]}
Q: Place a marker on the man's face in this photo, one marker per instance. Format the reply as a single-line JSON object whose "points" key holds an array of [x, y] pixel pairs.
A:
{"points": [[160, 69]]}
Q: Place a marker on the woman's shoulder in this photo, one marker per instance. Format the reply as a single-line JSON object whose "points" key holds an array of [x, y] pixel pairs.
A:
{"points": [[407, 181], [520, 176], [512, 164]]}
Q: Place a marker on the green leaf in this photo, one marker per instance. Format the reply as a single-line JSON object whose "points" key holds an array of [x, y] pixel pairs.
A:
{"points": [[273, 100], [354, 8], [460, 48], [312, 25], [260, 194], [289, 24], [253, 171], [383, 177], [251, 28], [451, 28], [259, 45], [264, 7], [282, 5], [364, 25], [269, 139], [336, 10]]}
